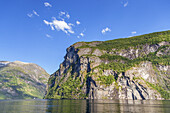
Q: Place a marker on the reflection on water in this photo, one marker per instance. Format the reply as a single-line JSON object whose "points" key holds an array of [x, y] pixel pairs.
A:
{"points": [[84, 106]]}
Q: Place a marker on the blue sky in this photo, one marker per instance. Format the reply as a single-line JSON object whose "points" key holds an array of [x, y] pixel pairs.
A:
{"points": [[39, 31]]}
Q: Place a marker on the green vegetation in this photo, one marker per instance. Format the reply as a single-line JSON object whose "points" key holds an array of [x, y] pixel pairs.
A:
{"points": [[18, 83], [107, 80], [137, 41], [12, 80], [165, 94], [69, 85], [136, 78], [69, 88], [122, 67], [113, 57]]}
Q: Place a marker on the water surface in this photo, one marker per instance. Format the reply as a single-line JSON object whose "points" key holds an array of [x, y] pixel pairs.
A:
{"points": [[84, 106]]}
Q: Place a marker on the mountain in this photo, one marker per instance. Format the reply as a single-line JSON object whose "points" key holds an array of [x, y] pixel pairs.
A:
{"points": [[19, 80], [125, 68]]}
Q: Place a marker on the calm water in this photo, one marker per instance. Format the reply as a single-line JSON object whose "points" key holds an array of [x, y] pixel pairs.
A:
{"points": [[84, 106]]}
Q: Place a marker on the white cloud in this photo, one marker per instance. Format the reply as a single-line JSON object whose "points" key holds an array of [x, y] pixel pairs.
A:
{"points": [[77, 22], [82, 34], [33, 13], [49, 36], [70, 24], [63, 15], [36, 13], [125, 4], [105, 30], [29, 15], [47, 4], [133, 32], [60, 25], [68, 16], [49, 23]]}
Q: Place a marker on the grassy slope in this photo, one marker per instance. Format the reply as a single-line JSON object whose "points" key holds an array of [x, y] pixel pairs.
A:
{"points": [[124, 43], [118, 44], [17, 79]]}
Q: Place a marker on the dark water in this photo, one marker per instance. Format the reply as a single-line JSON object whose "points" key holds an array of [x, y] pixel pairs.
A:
{"points": [[84, 106]]}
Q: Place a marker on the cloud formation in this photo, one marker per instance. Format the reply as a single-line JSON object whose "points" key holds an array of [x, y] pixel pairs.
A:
{"points": [[125, 4], [133, 32], [82, 34], [63, 15], [30, 15], [59, 25], [62, 23], [48, 36], [68, 16], [77, 22], [35, 13], [106, 30], [46, 4]]}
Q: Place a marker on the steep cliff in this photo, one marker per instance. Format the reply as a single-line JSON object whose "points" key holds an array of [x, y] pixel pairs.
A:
{"points": [[127, 68], [19, 80]]}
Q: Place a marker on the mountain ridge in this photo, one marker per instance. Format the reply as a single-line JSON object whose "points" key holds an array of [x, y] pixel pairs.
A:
{"points": [[128, 68], [22, 80]]}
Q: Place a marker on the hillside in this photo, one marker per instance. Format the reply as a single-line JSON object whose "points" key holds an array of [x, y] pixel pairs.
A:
{"points": [[126, 68], [19, 80]]}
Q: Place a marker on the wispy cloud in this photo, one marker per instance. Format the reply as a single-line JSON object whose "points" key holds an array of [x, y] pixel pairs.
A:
{"points": [[105, 30], [133, 32], [46, 4], [30, 15], [35, 13], [59, 25], [68, 16], [77, 22], [63, 15], [70, 24], [49, 23], [48, 36], [81, 34], [125, 4]]}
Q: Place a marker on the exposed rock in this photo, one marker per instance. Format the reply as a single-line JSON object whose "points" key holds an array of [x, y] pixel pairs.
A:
{"points": [[132, 73], [163, 51], [132, 53], [20, 80], [97, 52], [93, 44], [84, 51]]}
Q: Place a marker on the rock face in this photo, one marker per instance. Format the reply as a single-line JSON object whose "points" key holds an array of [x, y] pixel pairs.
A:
{"points": [[19, 80], [130, 68]]}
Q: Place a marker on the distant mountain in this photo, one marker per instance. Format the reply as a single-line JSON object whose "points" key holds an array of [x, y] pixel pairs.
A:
{"points": [[126, 68], [19, 80]]}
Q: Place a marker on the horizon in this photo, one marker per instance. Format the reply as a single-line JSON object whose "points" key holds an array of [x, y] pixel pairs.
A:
{"points": [[40, 31]]}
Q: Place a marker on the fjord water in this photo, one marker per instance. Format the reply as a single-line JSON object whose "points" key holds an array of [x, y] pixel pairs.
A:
{"points": [[84, 106]]}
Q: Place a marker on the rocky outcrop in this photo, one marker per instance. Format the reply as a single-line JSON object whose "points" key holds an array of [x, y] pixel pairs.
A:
{"points": [[92, 72], [133, 53], [21, 80]]}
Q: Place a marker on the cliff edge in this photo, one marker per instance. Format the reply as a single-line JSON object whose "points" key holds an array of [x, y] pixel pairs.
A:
{"points": [[126, 68]]}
